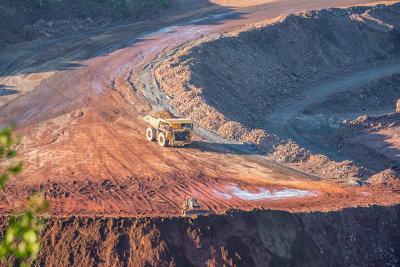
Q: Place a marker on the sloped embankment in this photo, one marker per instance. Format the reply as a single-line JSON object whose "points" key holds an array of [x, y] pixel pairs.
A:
{"points": [[355, 236], [374, 96], [373, 138], [229, 84], [39, 19]]}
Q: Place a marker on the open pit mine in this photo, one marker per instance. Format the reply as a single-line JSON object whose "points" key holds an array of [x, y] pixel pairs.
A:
{"points": [[203, 133]]}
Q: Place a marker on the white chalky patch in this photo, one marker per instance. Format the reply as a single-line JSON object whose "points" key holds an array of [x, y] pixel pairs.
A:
{"points": [[264, 193]]}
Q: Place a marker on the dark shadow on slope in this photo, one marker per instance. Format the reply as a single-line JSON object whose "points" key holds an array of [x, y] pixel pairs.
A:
{"points": [[375, 152], [224, 148], [244, 76], [5, 90], [71, 66], [98, 43], [217, 19], [68, 53]]}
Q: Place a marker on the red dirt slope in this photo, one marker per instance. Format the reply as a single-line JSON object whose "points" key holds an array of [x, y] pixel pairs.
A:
{"points": [[352, 237]]}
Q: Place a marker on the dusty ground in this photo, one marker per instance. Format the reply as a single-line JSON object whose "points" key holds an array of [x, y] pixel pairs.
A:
{"points": [[79, 103], [85, 145]]}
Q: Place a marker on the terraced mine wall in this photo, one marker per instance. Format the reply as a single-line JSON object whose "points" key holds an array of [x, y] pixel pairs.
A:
{"points": [[231, 83], [242, 75], [352, 237]]}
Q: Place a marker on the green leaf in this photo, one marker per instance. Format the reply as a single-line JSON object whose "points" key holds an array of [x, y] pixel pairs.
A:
{"points": [[3, 140], [46, 205], [10, 235], [25, 220], [11, 154], [34, 249], [21, 238], [16, 169], [30, 236], [22, 249], [3, 179]]}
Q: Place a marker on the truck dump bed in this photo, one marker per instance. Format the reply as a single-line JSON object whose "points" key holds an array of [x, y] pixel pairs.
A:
{"points": [[152, 121]]}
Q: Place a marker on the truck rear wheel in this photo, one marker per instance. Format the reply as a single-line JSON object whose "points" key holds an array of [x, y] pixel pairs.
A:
{"points": [[162, 139], [151, 134]]}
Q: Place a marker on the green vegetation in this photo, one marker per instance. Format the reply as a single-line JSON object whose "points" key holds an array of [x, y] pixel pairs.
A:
{"points": [[7, 154], [22, 235]]}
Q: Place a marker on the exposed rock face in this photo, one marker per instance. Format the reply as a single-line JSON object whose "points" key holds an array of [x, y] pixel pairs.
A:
{"points": [[352, 237], [231, 92], [215, 84], [398, 106]]}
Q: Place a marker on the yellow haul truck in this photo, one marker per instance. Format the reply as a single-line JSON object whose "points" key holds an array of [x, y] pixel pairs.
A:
{"points": [[172, 131]]}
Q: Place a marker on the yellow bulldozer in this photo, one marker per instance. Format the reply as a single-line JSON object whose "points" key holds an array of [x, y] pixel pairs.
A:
{"points": [[192, 207], [169, 131]]}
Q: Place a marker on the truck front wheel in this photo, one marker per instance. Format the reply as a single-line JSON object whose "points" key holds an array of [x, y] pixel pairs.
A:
{"points": [[162, 139]]}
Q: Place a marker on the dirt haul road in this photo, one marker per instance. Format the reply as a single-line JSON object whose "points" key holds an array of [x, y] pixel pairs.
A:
{"points": [[286, 121], [83, 134]]}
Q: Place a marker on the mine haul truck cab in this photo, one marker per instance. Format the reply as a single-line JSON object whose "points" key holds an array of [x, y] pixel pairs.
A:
{"points": [[173, 131]]}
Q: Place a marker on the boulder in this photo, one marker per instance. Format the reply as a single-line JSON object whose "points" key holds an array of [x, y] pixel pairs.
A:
{"points": [[398, 106]]}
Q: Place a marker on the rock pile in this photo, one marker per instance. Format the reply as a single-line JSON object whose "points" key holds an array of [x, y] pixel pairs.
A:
{"points": [[164, 114]]}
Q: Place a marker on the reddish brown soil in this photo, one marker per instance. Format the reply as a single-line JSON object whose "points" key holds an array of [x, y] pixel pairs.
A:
{"points": [[133, 176], [84, 138], [352, 237], [386, 179]]}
